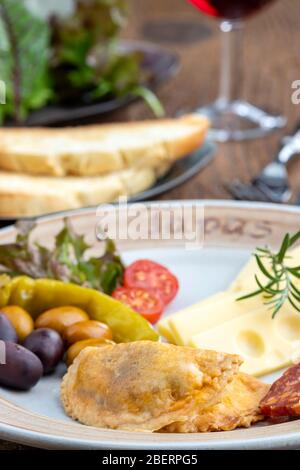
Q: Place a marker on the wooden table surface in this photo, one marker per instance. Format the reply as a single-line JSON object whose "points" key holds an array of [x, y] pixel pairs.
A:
{"points": [[271, 64]]}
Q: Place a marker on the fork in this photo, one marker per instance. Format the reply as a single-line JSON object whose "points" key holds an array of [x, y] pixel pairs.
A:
{"points": [[272, 184]]}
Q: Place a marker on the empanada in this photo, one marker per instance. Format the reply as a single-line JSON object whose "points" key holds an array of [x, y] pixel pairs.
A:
{"points": [[239, 407], [144, 385]]}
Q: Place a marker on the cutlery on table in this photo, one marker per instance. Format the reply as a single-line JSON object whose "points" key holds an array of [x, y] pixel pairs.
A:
{"points": [[272, 184]]}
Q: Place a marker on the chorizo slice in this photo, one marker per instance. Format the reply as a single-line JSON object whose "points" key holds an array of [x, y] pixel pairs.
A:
{"points": [[283, 399]]}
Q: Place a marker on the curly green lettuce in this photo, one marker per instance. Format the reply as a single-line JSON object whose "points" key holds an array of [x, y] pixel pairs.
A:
{"points": [[67, 261], [24, 57], [67, 59]]}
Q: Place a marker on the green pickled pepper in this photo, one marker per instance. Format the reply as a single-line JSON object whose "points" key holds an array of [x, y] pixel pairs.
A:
{"points": [[37, 296]]}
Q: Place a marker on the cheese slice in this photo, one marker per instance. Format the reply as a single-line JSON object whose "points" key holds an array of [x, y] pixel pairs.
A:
{"points": [[164, 330], [164, 327], [206, 315], [220, 322], [266, 344], [245, 281]]}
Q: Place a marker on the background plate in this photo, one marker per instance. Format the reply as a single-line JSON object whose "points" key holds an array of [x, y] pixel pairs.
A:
{"points": [[180, 172], [159, 64], [232, 231]]}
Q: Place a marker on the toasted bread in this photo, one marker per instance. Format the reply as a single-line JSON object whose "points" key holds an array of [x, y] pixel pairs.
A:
{"points": [[100, 149], [25, 195]]}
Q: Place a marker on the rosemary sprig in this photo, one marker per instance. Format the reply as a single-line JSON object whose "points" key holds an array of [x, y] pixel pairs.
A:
{"points": [[280, 285]]}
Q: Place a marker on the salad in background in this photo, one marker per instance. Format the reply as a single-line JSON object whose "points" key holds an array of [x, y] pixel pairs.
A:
{"points": [[67, 58]]}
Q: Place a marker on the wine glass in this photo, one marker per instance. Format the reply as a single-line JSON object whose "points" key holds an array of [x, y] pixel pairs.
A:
{"points": [[233, 118]]}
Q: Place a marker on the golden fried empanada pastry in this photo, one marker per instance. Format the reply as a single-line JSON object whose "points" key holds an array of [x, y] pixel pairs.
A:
{"points": [[239, 407], [145, 385]]}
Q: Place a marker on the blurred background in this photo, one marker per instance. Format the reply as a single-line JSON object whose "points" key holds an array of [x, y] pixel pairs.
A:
{"points": [[271, 59], [271, 64]]}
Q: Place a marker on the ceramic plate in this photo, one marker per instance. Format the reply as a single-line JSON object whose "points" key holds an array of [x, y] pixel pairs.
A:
{"points": [[232, 230]]}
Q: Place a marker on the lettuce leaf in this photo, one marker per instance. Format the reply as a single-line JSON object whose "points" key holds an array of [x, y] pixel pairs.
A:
{"points": [[66, 262], [24, 55], [87, 58]]}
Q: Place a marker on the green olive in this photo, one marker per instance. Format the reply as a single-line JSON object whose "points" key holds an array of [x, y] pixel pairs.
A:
{"points": [[87, 330], [60, 318], [76, 348], [20, 319]]}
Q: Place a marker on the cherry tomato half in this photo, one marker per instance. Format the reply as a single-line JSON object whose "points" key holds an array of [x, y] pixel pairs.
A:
{"points": [[154, 277], [142, 301]]}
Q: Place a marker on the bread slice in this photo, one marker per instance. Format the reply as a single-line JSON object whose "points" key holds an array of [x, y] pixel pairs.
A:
{"points": [[25, 195], [98, 149]]}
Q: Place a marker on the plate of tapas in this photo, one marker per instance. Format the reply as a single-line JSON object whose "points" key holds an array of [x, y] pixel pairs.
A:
{"points": [[154, 342]]}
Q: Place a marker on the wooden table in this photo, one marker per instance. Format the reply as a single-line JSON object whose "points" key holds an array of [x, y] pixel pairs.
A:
{"points": [[271, 64]]}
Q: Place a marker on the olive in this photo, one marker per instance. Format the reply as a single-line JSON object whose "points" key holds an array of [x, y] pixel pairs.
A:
{"points": [[7, 331], [22, 369], [60, 318], [87, 330], [47, 345], [76, 348], [20, 319]]}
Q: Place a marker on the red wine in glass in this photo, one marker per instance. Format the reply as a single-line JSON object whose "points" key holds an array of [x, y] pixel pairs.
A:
{"points": [[233, 118], [230, 9]]}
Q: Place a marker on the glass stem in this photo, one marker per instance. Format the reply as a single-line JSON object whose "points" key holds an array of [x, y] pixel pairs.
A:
{"points": [[231, 61]]}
